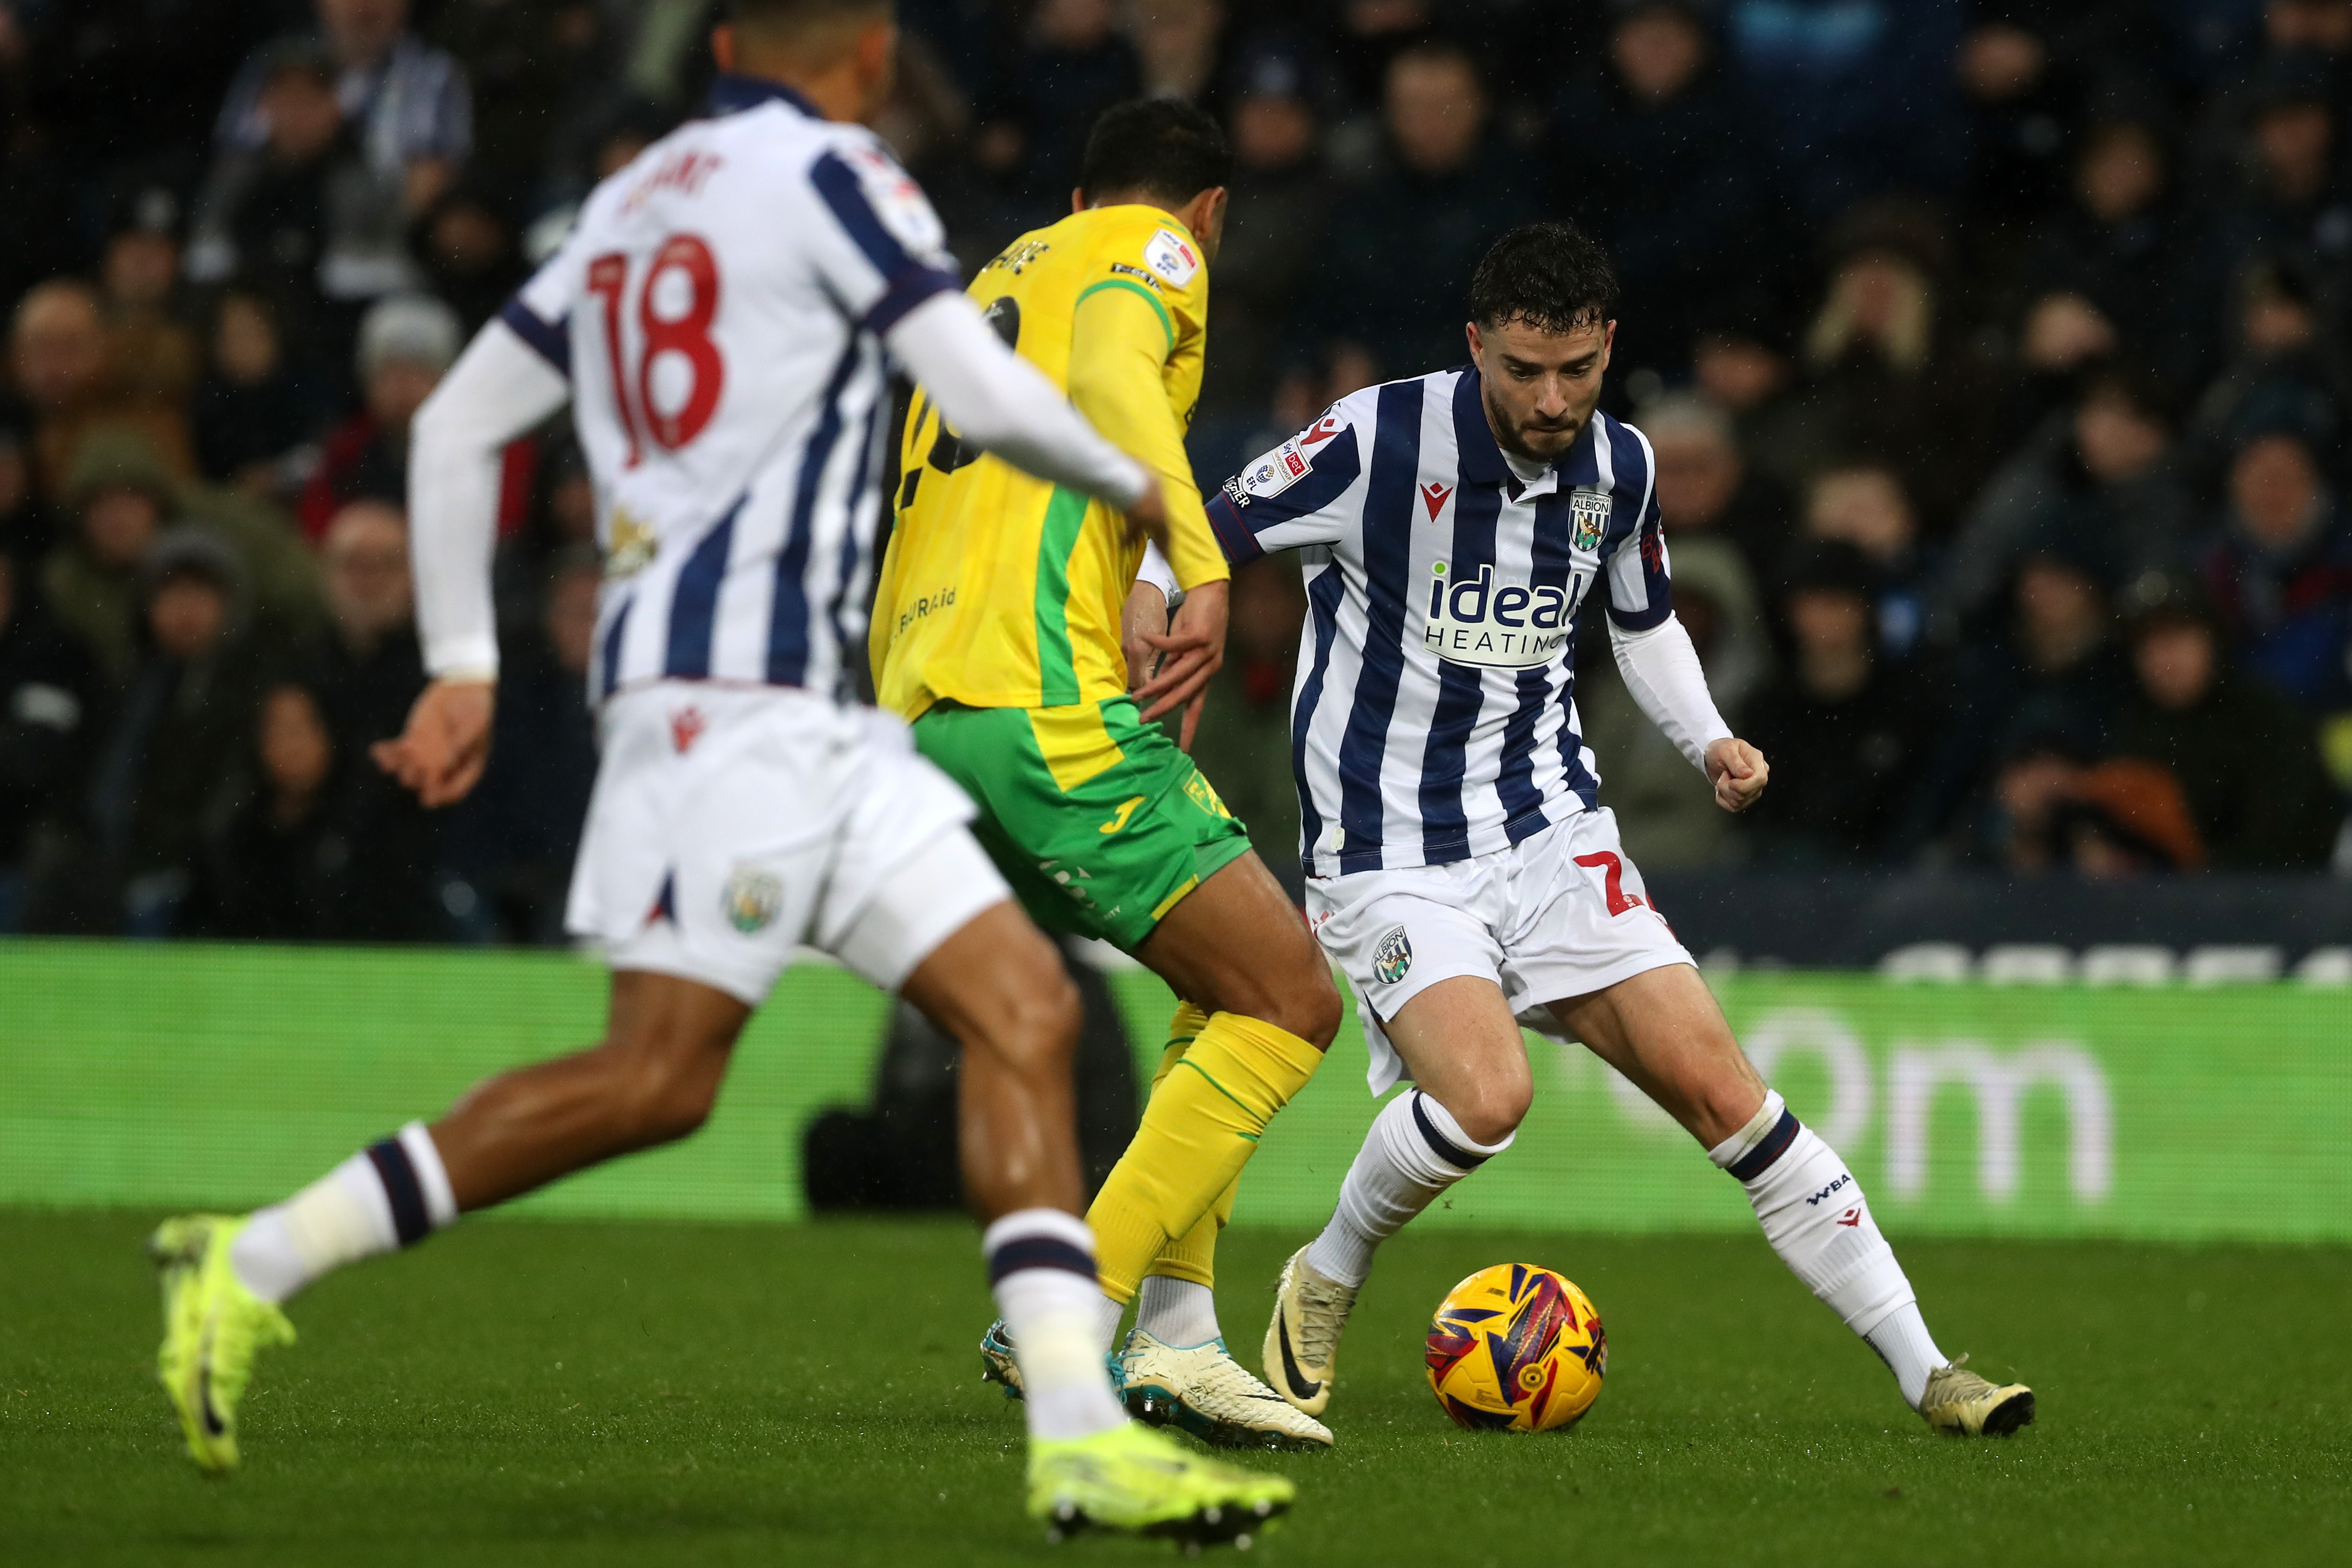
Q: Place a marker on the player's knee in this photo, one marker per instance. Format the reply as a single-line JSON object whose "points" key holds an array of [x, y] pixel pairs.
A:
{"points": [[1491, 1111], [662, 1089], [1306, 1004], [1037, 1024]]}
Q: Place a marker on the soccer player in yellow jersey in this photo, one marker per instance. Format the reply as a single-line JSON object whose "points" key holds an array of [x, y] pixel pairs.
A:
{"points": [[997, 632]]}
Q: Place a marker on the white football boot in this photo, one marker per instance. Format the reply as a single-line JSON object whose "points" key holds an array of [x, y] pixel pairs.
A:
{"points": [[1302, 1342], [1202, 1390]]}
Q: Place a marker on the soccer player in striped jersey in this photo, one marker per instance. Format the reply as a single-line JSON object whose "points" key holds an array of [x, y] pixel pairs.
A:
{"points": [[998, 636], [1459, 866], [721, 321]]}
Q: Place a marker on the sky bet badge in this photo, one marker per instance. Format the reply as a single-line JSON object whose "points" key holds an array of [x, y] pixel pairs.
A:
{"points": [[1587, 513], [1393, 956]]}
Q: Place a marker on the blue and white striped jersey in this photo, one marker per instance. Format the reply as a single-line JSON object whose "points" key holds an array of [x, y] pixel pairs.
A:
{"points": [[720, 309], [1434, 716]]}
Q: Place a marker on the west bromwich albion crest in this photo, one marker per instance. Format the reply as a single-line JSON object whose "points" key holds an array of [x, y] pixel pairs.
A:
{"points": [[1587, 513]]}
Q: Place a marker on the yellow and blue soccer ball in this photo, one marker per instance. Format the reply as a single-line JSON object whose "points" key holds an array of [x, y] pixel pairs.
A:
{"points": [[1516, 1349]]}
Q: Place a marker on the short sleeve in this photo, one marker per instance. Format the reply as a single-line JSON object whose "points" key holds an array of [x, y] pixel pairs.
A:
{"points": [[539, 312], [1302, 492], [888, 252], [1641, 581]]}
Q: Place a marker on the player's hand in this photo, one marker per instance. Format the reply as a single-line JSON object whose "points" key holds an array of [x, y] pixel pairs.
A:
{"points": [[1738, 773], [1146, 612], [1148, 515], [1192, 650], [442, 752]]}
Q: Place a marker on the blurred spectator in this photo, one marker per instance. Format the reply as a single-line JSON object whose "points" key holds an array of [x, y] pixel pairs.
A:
{"points": [[2286, 363], [1846, 734], [258, 415], [2279, 571], [531, 68], [58, 349], [2051, 677], [1402, 246], [1176, 46], [1074, 64], [1243, 743], [25, 524], [406, 345], [1889, 373], [512, 842], [1666, 808], [467, 250], [48, 712], [2104, 472], [121, 497], [2113, 820], [274, 872], [1706, 487], [150, 346], [407, 104], [2245, 758], [369, 674], [2120, 265], [2292, 198], [1275, 223], [1668, 172], [166, 771], [1862, 504], [302, 210], [1857, 93], [1743, 362]]}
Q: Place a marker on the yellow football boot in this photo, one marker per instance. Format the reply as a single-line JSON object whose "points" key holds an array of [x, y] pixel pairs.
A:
{"points": [[213, 1326], [1133, 1478], [1959, 1402]]}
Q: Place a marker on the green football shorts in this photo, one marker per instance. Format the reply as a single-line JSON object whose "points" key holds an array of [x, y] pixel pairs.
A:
{"points": [[1099, 823]]}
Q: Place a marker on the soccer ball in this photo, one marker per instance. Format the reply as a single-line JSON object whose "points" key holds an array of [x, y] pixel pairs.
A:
{"points": [[1516, 1349]]}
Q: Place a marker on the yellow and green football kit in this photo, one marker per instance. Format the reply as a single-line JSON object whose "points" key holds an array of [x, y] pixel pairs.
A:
{"points": [[996, 635]]}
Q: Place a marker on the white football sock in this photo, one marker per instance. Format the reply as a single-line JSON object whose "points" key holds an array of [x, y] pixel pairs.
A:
{"points": [[1108, 1313], [1041, 1266], [1814, 1213], [1415, 1150], [391, 1194], [1903, 1343], [1176, 1311]]}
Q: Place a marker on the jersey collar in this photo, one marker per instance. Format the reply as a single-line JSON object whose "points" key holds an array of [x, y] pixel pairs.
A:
{"points": [[731, 93], [1481, 460]]}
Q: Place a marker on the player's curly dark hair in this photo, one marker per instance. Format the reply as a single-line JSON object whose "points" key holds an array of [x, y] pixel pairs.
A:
{"points": [[1549, 275], [1155, 147]]}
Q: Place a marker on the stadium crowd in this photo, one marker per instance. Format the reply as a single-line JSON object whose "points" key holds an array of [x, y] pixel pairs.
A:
{"points": [[1995, 356]]}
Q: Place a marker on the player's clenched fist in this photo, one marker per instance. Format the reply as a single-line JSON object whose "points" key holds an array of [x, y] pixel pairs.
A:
{"points": [[442, 752], [1738, 773]]}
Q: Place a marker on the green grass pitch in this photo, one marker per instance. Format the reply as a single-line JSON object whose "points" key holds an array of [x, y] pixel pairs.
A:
{"points": [[529, 1393]]}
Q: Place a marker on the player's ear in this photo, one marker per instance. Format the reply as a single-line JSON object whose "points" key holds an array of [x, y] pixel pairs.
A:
{"points": [[1470, 330], [722, 47], [1078, 199]]}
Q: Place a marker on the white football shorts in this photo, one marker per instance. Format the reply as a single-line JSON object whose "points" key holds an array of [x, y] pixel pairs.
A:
{"points": [[1559, 915], [732, 826]]}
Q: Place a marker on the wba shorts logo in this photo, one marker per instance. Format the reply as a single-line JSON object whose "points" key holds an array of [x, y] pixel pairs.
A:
{"points": [[1507, 626], [1392, 957], [752, 899]]}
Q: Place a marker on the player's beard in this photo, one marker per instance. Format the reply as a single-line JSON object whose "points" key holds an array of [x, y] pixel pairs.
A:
{"points": [[1535, 442]]}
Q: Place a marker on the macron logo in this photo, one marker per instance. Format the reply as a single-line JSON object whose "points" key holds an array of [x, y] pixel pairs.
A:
{"points": [[1434, 495]]}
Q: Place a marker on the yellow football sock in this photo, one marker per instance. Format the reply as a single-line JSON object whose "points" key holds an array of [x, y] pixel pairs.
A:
{"points": [[1199, 1130], [1194, 1255]]}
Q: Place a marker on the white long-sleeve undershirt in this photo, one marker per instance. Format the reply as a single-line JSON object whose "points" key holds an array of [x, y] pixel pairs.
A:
{"points": [[500, 388], [1662, 671]]}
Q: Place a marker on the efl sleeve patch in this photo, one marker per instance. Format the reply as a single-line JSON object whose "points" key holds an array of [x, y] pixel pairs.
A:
{"points": [[1173, 257]]}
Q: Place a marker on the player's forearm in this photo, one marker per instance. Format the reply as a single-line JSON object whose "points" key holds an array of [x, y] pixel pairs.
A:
{"points": [[999, 402], [499, 389], [1662, 671], [1117, 381]]}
